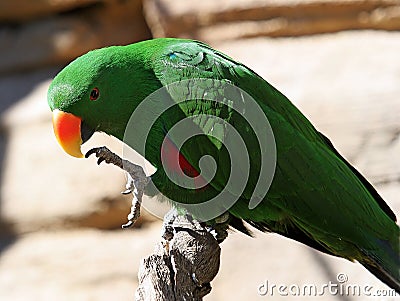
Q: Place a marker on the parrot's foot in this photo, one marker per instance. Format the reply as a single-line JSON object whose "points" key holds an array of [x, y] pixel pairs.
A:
{"points": [[137, 179], [219, 228], [168, 230], [219, 231]]}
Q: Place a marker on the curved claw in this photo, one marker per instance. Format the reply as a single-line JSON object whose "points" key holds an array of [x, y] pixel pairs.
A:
{"points": [[127, 225], [168, 233], [101, 159], [128, 191], [91, 152]]}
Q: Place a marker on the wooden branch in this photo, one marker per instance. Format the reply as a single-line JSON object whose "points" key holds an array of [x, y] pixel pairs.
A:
{"points": [[181, 268]]}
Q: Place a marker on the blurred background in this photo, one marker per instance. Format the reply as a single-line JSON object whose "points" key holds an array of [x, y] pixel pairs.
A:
{"points": [[60, 236]]}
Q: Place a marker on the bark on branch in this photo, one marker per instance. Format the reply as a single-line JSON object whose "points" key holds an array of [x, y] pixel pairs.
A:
{"points": [[181, 268]]}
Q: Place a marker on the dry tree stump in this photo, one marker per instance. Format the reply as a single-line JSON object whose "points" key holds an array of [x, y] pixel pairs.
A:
{"points": [[181, 268]]}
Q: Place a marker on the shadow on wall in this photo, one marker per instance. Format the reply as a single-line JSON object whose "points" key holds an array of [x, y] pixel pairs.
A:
{"points": [[13, 88], [37, 37]]}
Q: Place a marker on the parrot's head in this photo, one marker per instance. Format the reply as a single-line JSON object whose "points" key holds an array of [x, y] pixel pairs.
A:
{"points": [[97, 92]]}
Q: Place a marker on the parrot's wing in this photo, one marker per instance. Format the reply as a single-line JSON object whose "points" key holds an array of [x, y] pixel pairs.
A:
{"points": [[194, 78], [363, 180], [220, 102], [194, 60]]}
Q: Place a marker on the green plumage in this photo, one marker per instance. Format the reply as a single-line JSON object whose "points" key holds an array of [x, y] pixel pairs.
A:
{"points": [[316, 196]]}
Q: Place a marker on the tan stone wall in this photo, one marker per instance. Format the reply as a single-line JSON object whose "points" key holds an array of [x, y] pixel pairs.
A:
{"points": [[60, 217]]}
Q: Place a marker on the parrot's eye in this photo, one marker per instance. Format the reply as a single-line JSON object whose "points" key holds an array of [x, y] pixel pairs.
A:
{"points": [[94, 94]]}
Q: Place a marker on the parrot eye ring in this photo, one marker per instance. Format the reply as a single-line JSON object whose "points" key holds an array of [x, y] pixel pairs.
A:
{"points": [[94, 94]]}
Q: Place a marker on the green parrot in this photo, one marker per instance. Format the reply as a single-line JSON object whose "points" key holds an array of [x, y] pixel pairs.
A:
{"points": [[314, 196]]}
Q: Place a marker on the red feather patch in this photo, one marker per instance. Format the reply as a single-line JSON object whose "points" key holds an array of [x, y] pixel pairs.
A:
{"points": [[177, 164]]}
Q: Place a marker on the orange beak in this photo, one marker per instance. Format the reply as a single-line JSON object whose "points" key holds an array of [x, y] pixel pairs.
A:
{"points": [[67, 128]]}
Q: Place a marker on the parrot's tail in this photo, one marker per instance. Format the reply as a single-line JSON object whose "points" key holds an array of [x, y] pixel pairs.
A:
{"points": [[385, 265]]}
